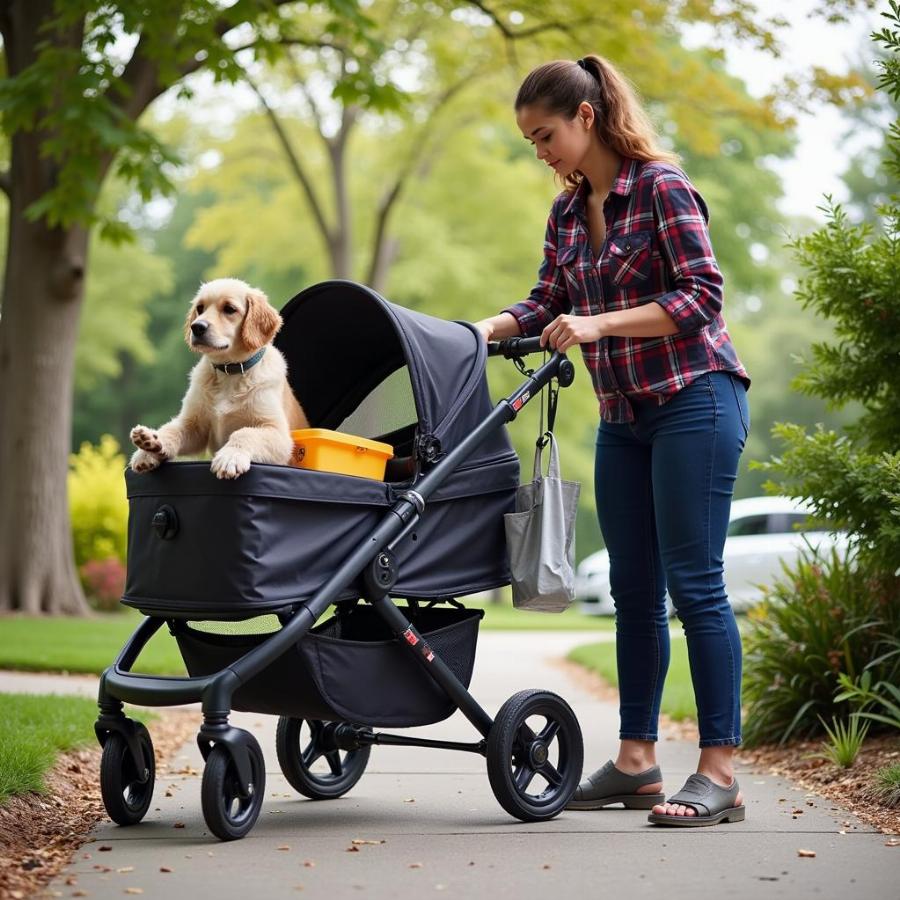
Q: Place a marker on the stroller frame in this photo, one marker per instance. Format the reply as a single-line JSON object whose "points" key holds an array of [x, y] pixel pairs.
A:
{"points": [[130, 768]]}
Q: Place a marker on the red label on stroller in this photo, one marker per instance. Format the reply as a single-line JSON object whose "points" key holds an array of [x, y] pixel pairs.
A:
{"points": [[410, 636]]}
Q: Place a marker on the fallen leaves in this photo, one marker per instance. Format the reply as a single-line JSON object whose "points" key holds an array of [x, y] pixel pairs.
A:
{"points": [[54, 825], [807, 854]]}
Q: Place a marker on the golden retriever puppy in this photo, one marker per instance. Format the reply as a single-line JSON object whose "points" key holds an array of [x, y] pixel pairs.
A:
{"points": [[238, 405]]}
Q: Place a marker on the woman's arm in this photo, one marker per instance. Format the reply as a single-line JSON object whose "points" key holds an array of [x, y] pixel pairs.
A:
{"points": [[650, 320], [498, 327]]}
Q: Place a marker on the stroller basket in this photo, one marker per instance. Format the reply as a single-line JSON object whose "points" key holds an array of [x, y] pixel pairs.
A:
{"points": [[349, 668]]}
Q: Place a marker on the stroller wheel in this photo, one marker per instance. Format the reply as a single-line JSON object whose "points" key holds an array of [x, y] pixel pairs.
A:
{"points": [[126, 791], [534, 755], [312, 762], [229, 815]]}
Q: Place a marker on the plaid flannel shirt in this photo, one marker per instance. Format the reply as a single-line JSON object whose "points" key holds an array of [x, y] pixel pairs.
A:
{"points": [[657, 250]]}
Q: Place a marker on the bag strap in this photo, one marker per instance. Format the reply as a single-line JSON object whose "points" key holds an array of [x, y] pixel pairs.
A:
{"points": [[546, 437], [553, 469]]}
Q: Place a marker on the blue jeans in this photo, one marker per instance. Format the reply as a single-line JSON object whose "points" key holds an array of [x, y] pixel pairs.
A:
{"points": [[664, 484]]}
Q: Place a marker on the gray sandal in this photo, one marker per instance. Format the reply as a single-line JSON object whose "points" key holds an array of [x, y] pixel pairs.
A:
{"points": [[610, 785], [711, 802]]}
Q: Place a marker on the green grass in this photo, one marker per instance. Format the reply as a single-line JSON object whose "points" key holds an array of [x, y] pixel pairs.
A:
{"points": [[503, 617], [59, 644], [886, 785], [90, 645], [34, 729], [678, 694]]}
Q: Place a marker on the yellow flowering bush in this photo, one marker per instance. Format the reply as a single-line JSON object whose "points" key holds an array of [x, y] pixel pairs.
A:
{"points": [[98, 506]]}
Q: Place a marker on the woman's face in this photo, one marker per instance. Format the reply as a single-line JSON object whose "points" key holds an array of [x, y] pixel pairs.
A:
{"points": [[559, 142]]}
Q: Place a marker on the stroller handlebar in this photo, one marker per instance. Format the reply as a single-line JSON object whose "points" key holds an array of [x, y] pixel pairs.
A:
{"points": [[513, 347]]}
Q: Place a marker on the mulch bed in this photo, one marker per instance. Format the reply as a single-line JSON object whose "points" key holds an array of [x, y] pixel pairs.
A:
{"points": [[39, 833], [851, 788]]}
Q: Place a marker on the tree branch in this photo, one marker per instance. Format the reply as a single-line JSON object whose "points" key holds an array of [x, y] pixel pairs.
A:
{"points": [[568, 28], [141, 73], [294, 163], [421, 153]]}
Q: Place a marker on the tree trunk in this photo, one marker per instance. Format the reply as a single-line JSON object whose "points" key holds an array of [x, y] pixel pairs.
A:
{"points": [[42, 297]]}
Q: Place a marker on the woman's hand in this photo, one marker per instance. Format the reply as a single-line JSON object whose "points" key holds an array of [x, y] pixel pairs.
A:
{"points": [[498, 327], [486, 327], [567, 331]]}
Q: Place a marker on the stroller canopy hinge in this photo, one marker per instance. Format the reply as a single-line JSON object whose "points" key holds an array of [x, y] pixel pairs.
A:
{"points": [[428, 448]]}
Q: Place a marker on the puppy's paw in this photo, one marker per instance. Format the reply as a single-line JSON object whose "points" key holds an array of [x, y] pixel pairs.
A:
{"points": [[146, 439], [230, 462], [142, 461]]}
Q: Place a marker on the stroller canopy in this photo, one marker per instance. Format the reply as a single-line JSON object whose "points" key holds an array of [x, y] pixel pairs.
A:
{"points": [[346, 348]]}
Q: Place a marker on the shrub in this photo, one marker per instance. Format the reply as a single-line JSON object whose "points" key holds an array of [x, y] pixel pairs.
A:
{"points": [[844, 741], [883, 696], [820, 620], [98, 505], [104, 582], [886, 786]]}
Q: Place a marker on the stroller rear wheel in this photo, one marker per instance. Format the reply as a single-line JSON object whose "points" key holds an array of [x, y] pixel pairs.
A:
{"points": [[228, 814], [313, 763], [126, 791], [534, 755]]}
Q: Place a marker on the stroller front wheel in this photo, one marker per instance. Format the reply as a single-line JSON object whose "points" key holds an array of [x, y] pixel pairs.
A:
{"points": [[229, 815], [311, 761], [534, 755], [125, 790]]}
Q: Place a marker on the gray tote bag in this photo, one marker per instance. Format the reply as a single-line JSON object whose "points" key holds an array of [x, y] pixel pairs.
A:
{"points": [[540, 538]]}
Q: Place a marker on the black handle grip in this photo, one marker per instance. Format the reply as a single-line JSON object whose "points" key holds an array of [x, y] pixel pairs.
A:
{"points": [[514, 347]]}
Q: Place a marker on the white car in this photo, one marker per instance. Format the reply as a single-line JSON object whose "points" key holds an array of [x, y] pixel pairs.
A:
{"points": [[763, 532]]}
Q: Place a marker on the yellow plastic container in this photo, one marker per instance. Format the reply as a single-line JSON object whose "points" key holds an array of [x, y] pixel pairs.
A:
{"points": [[333, 451]]}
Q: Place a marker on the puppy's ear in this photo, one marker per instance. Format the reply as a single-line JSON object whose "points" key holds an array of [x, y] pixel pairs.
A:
{"points": [[192, 314], [261, 321]]}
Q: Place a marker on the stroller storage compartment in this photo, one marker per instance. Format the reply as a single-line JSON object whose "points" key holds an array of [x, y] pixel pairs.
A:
{"points": [[348, 668]]}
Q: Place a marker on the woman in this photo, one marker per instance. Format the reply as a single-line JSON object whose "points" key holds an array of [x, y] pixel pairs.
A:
{"points": [[630, 276]]}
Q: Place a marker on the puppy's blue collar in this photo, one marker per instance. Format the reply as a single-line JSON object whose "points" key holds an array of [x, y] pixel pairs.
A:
{"points": [[239, 368]]}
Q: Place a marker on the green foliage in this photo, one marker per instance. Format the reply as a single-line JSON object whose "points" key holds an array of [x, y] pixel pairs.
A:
{"points": [[885, 786], [883, 696], [78, 91], [35, 729], [821, 620], [844, 741], [848, 487], [97, 502], [121, 283], [853, 280]]}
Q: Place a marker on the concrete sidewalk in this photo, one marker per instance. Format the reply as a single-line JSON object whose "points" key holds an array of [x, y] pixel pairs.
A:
{"points": [[444, 832]]}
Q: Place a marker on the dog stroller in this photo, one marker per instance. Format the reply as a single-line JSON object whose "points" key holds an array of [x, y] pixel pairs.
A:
{"points": [[279, 587]]}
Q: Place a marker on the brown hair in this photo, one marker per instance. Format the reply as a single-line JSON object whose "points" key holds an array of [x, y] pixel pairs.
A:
{"points": [[619, 119]]}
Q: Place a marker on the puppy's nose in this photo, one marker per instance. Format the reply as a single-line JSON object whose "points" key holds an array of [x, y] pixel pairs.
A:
{"points": [[199, 327]]}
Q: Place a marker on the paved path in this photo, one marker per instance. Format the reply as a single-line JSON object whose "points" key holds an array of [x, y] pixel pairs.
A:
{"points": [[445, 834]]}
